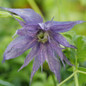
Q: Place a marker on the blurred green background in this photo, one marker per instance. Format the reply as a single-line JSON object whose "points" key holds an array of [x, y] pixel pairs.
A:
{"points": [[62, 10]]}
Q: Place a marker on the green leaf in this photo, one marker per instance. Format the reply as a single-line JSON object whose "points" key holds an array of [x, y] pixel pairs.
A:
{"points": [[82, 79], [5, 83], [38, 84], [81, 48], [41, 76], [79, 42], [82, 69], [70, 69], [6, 14]]}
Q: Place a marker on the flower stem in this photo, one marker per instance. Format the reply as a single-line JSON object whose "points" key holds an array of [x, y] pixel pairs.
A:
{"points": [[35, 7], [76, 69], [81, 72], [76, 79], [67, 78]]}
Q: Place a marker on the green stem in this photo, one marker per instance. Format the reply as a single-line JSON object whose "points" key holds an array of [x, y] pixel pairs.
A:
{"points": [[76, 62], [35, 7], [81, 72], [76, 77], [67, 78], [76, 69]]}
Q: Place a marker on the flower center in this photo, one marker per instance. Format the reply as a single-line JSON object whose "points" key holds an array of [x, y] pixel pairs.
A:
{"points": [[42, 36]]}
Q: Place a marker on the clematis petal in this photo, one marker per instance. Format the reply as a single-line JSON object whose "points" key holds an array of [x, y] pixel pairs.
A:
{"points": [[28, 30], [63, 26], [29, 15], [36, 66], [24, 32], [53, 62], [39, 60], [55, 46], [33, 53], [61, 40], [18, 46], [42, 55]]}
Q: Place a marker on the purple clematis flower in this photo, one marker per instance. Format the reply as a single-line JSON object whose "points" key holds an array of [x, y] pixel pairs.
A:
{"points": [[44, 39]]}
